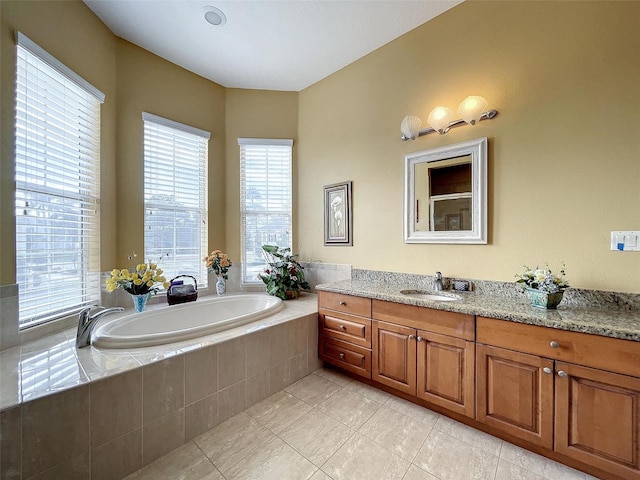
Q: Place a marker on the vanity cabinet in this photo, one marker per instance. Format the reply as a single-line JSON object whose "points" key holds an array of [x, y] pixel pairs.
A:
{"points": [[575, 393], [426, 353], [344, 332]]}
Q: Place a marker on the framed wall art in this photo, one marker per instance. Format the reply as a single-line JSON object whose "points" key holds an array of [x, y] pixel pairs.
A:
{"points": [[338, 219]]}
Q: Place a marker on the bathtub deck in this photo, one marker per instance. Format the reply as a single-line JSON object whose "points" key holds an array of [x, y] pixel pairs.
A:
{"points": [[53, 364]]}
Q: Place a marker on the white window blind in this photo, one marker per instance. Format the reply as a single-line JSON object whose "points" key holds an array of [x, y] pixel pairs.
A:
{"points": [[175, 196], [57, 167], [265, 200]]}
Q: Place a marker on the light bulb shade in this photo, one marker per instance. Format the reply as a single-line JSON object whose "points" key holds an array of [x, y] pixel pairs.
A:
{"points": [[439, 119], [472, 108], [410, 126]]}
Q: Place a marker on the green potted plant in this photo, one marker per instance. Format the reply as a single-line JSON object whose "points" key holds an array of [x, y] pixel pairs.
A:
{"points": [[543, 287], [284, 277]]}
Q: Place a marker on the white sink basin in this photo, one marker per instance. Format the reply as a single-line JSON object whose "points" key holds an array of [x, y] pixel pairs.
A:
{"points": [[426, 295]]}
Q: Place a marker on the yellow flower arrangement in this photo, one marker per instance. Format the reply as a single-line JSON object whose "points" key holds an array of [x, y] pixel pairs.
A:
{"points": [[218, 263], [146, 278]]}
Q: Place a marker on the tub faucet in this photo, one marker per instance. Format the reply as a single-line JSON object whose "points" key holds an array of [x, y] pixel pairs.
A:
{"points": [[86, 323], [437, 283]]}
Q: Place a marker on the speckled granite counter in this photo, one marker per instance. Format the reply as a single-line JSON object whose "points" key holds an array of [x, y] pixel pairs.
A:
{"points": [[610, 320]]}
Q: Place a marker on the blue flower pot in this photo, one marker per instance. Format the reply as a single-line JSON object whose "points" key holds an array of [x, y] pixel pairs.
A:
{"points": [[543, 299]]}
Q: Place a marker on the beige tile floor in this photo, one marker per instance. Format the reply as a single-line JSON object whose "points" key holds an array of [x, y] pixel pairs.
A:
{"points": [[327, 426]]}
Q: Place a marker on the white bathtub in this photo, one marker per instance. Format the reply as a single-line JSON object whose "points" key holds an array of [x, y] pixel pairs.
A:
{"points": [[180, 322]]}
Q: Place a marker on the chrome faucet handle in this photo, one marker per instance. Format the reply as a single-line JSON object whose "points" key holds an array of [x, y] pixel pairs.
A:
{"points": [[437, 282], [86, 323]]}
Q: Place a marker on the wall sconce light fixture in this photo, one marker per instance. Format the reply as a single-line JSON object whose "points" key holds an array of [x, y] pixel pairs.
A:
{"points": [[471, 111]]}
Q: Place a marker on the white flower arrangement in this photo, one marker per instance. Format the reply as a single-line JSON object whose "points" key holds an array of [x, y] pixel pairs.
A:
{"points": [[543, 279]]}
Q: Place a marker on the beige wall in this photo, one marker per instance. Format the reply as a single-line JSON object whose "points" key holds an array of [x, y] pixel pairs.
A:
{"points": [[253, 114], [69, 31], [563, 165], [134, 81], [147, 83], [563, 151]]}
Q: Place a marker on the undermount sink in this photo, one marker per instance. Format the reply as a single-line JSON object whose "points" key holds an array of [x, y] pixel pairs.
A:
{"points": [[434, 296]]}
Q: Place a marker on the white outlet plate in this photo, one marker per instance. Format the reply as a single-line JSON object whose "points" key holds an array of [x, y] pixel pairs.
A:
{"points": [[629, 240]]}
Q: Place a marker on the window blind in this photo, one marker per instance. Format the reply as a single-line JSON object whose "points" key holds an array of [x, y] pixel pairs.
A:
{"points": [[57, 171], [265, 200], [175, 197]]}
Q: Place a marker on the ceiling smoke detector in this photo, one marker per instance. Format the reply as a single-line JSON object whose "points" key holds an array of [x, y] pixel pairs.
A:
{"points": [[215, 16]]}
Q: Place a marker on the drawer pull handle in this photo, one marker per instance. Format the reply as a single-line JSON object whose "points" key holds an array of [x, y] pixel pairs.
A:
{"points": [[343, 303], [411, 337], [562, 373], [342, 327], [546, 370], [342, 356], [554, 344], [419, 339]]}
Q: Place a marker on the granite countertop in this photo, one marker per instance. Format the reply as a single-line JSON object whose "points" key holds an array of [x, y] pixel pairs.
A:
{"points": [[607, 321]]}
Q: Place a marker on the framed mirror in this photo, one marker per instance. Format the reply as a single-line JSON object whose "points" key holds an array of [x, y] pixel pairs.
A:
{"points": [[445, 194]]}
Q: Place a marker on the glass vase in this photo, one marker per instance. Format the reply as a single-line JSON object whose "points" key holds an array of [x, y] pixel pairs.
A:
{"points": [[221, 287], [140, 301]]}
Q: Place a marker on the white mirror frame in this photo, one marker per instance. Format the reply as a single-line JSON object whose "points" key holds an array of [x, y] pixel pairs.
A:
{"points": [[478, 234]]}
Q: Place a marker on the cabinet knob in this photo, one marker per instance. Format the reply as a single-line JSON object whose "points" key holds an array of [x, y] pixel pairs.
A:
{"points": [[554, 344], [546, 370], [341, 356], [562, 373], [342, 302], [342, 327], [411, 337], [419, 339]]}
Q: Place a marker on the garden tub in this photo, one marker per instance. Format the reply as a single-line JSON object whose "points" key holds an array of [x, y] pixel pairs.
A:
{"points": [[169, 324]]}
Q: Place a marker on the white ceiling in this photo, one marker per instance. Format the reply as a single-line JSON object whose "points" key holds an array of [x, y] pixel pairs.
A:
{"points": [[265, 44]]}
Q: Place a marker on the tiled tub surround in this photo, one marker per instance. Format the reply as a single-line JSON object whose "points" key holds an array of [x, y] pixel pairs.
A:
{"points": [[102, 414], [609, 314]]}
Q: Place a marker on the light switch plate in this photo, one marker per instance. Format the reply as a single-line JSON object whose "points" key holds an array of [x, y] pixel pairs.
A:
{"points": [[625, 241]]}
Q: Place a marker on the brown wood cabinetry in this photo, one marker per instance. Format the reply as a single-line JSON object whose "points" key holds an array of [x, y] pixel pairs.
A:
{"points": [[434, 367], [344, 328], [598, 418], [514, 394], [572, 396], [394, 359], [589, 414]]}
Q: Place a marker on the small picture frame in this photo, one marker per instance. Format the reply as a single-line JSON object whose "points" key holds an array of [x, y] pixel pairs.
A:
{"points": [[338, 219]]}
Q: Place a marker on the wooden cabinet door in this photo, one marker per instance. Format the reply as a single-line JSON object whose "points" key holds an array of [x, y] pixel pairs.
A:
{"points": [[598, 418], [445, 372], [515, 393], [394, 356]]}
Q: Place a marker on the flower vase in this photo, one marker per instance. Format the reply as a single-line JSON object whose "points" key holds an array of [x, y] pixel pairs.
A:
{"points": [[140, 301], [541, 299], [221, 287]]}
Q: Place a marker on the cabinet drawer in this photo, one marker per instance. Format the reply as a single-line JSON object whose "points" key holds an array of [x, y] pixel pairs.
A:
{"points": [[345, 355], [453, 324], [345, 303], [345, 327], [613, 354]]}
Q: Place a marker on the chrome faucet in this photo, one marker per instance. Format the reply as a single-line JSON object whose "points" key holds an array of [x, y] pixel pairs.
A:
{"points": [[437, 283], [86, 323]]}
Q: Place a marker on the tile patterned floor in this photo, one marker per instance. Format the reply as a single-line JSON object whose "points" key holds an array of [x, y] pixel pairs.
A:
{"points": [[329, 427]]}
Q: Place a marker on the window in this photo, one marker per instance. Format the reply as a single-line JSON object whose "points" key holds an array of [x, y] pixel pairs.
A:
{"points": [[175, 196], [57, 168], [265, 200]]}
